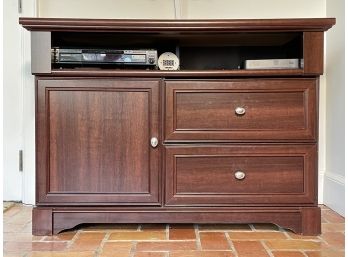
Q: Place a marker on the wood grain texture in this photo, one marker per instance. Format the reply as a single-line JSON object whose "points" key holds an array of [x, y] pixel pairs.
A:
{"points": [[95, 130], [311, 221], [138, 25], [42, 221], [277, 110], [173, 74], [203, 175], [313, 52], [68, 217], [300, 220], [87, 129], [215, 174]]}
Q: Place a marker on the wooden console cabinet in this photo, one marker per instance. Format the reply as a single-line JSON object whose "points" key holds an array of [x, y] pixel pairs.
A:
{"points": [[234, 145]]}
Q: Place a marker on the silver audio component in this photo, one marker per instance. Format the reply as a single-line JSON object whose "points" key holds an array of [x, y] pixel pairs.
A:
{"points": [[273, 64], [147, 57]]}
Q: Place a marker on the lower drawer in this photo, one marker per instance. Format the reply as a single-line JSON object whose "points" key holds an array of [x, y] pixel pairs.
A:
{"points": [[241, 174]]}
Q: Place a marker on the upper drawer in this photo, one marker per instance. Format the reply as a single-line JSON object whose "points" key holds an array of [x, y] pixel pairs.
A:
{"points": [[255, 109]]}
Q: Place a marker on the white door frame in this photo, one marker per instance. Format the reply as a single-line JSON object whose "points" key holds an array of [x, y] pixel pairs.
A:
{"points": [[29, 9], [12, 103]]}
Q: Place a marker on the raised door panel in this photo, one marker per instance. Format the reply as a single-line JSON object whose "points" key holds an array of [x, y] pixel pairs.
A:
{"points": [[94, 141], [210, 175], [241, 110]]}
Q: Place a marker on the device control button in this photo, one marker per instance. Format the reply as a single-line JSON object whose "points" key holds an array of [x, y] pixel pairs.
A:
{"points": [[151, 60]]}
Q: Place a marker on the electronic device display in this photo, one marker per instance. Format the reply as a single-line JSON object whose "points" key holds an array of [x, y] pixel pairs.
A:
{"points": [[145, 57], [168, 61]]}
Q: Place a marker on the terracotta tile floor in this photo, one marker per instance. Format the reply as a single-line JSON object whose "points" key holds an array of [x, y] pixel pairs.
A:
{"points": [[258, 240]]}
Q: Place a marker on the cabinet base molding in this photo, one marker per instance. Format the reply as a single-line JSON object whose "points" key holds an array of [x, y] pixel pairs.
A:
{"points": [[52, 220]]}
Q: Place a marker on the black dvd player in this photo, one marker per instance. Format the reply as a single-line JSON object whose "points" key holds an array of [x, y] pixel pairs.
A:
{"points": [[145, 57]]}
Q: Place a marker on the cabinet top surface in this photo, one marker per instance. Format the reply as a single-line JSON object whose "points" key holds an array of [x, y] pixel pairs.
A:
{"points": [[137, 25]]}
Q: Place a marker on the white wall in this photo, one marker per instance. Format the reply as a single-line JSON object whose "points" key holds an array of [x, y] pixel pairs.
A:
{"points": [[243, 9], [29, 9], [18, 105], [334, 175], [156, 9], [107, 9], [191, 9], [12, 104]]}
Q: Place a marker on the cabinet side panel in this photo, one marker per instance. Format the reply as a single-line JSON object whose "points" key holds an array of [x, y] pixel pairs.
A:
{"points": [[40, 52], [313, 52]]}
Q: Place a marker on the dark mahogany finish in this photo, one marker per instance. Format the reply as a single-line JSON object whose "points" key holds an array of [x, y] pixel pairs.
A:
{"points": [[175, 74], [89, 134], [95, 163], [275, 109], [313, 52], [44, 24], [301, 220], [205, 175]]}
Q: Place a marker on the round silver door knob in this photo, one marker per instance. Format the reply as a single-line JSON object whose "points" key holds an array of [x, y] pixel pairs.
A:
{"points": [[240, 111], [154, 142], [239, 175]]}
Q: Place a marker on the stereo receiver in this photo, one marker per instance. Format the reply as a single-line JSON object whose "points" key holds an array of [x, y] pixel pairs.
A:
{"points": [[145, 57]]}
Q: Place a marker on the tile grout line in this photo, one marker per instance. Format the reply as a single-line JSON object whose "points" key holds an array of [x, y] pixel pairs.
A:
{"points": [[253, 229], [198, 239], [281, 229], [303, 252], [324, 219], [224, 230], [301, 249], [76, 236], [230, 243], [99, 251], [153, 240], [14, 215], [268, 250], [133, 249], [322, 239], [287, 235], [188, 251], [43, 239], [167, 231]]}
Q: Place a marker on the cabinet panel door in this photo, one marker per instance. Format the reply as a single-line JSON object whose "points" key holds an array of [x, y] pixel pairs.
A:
{"points": [[93, 141]]}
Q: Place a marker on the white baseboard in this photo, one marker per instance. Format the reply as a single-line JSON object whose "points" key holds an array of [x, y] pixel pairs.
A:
{"points": [[321, 187], [333, 192]]}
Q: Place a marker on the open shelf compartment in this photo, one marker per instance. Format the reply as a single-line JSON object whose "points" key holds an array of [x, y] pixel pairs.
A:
{"points": [[196, 51]]}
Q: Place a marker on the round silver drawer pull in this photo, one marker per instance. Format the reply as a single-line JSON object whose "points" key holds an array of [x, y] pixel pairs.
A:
{"points": [[239, 175], [240, 110], [154, 142]]}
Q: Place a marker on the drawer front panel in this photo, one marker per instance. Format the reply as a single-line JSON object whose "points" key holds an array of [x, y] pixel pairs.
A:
{"points": [[204, 175], [263, 109]]}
